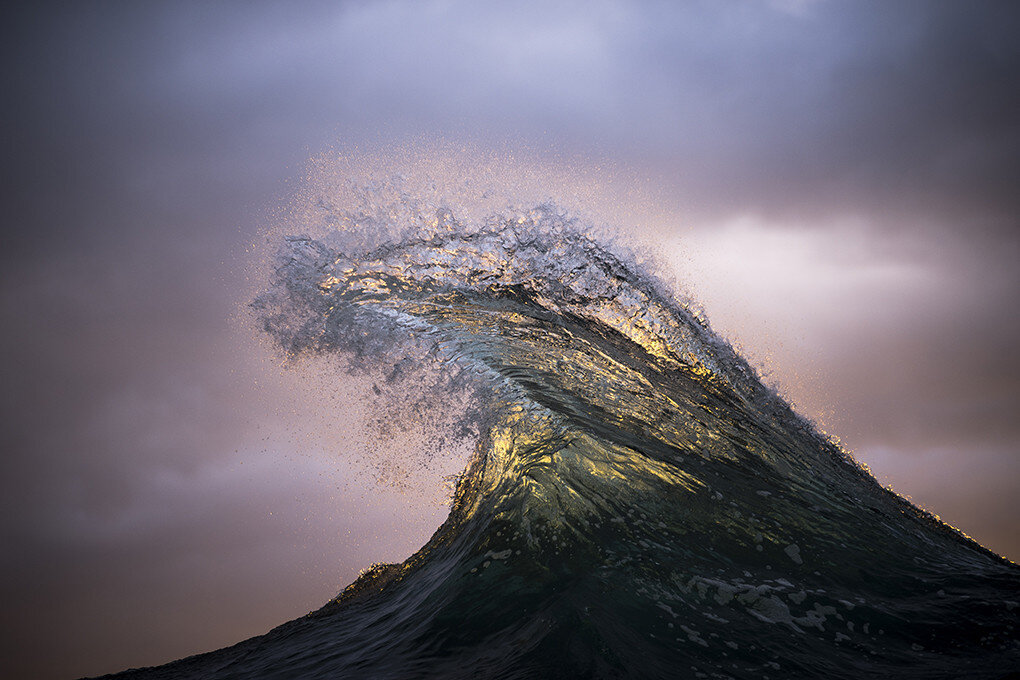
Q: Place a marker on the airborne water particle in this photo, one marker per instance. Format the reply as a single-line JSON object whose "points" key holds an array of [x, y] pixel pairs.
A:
{"points": [[550, 317]]}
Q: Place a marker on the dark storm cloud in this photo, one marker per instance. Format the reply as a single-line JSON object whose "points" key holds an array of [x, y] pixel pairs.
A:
{"points": [[868, 106], [900, 107], [848, 106]]}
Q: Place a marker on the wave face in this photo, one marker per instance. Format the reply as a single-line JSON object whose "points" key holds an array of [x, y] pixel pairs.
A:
{"points": [[639, 505]]}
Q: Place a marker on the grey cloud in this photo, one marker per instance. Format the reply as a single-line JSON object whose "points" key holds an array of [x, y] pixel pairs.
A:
{"points": [[850, 105]]}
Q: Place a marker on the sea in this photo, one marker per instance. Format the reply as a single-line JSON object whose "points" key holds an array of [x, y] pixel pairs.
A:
{"points": [[639, 504]]}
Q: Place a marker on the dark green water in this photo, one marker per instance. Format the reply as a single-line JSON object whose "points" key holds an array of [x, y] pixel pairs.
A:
{"points": [[639, 505]]}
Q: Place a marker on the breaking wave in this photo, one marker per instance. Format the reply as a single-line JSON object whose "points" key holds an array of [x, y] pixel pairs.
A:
{"points": [[638, 504]]}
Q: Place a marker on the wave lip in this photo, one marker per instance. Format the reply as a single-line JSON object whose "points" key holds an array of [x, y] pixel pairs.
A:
{"points": [[639, 504]]}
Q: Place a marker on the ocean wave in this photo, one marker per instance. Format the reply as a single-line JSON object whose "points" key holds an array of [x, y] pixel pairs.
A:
{"points": [[639, 504]]}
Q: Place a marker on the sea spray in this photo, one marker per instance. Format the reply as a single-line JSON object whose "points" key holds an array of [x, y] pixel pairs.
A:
{"points": [[638, 505]]}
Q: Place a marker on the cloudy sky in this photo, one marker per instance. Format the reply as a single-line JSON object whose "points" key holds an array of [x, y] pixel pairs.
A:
{"points": [[835, 182]]}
